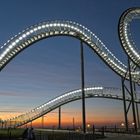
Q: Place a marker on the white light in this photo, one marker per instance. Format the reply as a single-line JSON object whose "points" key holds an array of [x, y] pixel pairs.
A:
{"points": [[47, 25], [39, 27], [95, 95], [17, 41], [32, 40], [55, 24], [10, 46], [27, 33], [58, 24], [7, 50], [24, 35], [65, 25], [8, 41], [35, 29], [43, 26], [14, 43], [26, 43], [20, 38], [31, 31], [122, 124]]}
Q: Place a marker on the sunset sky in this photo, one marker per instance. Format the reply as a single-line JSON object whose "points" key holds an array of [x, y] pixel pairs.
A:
{"points": [[52, 66]]}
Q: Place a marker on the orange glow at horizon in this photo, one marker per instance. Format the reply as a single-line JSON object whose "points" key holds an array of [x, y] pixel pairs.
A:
{"points": [[7, 115], [51, 120], [97, 116]]}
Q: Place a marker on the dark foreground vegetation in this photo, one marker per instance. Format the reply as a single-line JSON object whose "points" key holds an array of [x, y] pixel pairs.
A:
{"points": [[11, 134]]}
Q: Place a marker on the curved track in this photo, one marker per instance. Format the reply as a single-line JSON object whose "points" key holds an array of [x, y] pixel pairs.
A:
{"points": [[125, 35], [92, 92], [68, 28]]}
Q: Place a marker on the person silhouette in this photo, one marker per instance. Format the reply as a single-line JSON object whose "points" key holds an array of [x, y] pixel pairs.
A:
{"points": [[31, 134]]}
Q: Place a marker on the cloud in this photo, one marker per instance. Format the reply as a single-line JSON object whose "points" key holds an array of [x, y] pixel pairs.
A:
{"points": [[10, 111], [9, 94], [16, 94]]}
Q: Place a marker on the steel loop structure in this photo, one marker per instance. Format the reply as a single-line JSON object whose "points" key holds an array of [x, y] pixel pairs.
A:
{"points": [[48, 29], [91, 92], [125, 35]]}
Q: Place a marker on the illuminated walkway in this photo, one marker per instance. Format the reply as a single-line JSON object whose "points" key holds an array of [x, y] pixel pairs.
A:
{"points": [[44, 30], [92, 92]]}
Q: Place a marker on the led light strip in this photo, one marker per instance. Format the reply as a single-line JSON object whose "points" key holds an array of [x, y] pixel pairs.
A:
{"points": [[46, 29], [91, 92], [125, 36]]}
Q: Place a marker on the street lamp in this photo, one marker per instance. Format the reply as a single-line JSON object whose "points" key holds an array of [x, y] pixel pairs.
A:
{"points": [[133, 123], [122, 124], [88, 125]]}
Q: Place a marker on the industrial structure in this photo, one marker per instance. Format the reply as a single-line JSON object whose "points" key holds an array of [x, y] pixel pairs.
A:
{"points": [[129, 72]]}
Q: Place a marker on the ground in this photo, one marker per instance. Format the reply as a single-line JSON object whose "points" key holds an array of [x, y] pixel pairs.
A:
{"points": [[122, 137]]}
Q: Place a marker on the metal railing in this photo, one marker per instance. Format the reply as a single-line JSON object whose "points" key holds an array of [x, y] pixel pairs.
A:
{"points": [[91, 92]]}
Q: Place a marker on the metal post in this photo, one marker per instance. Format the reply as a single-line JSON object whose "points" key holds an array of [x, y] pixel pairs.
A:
{"points": [[42, 121], [124, 104], [132, 97], [31, 124], [82, 88], [73, 121], [137, 110], [59, 118], [138, 119]]}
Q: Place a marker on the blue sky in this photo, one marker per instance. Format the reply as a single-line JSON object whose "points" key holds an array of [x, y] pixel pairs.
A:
{"points": [[52, 66]]}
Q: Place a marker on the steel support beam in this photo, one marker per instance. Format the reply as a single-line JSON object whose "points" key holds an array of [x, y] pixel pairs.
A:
{"points": [[73, 123], [137, 110], [131, 91], [132, 97], [82, 88], [42, 121], [138, 119], [59, 117], [124, 104], [31, 124]]}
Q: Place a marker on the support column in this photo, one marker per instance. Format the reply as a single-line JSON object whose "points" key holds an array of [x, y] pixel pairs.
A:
{"points": [[59, 118], [73, 121], [138, 119], [31, 124], [82, 88], [42, 121], [132, 97], [137, 110], [124, 103]]}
